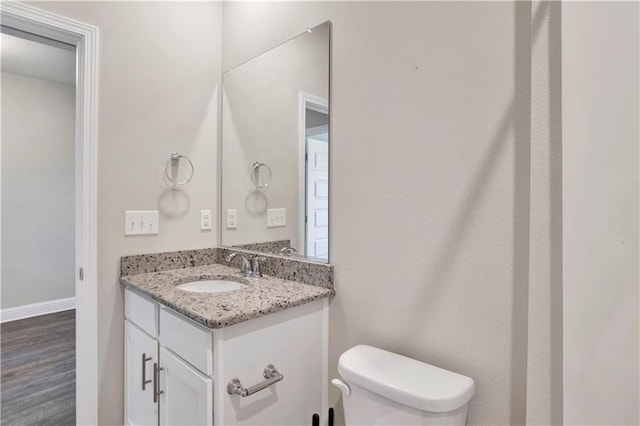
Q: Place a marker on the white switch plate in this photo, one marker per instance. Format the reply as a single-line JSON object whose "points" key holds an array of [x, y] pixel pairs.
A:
{"points": [[276, 217], [205, 219], [141, 222], [232, 219]]}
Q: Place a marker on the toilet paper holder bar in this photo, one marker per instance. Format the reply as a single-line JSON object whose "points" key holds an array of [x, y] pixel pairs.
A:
{"points": [[270, 373]]}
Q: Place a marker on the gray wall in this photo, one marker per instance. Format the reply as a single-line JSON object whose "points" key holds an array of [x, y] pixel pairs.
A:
{"points": [[431, 239], [600, 67], [38, 209], [315, 119], [159, 75]]}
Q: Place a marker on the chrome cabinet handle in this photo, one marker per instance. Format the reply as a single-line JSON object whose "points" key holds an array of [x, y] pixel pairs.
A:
{"points": [[156, 381], [145, 382], [234, 387]]}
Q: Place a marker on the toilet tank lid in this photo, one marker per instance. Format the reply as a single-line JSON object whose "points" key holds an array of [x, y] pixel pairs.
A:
{"points": [[405, 380]]}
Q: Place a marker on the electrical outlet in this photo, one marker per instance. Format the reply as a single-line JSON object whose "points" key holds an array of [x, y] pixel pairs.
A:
{"points": [[276, 217], [205, 220], [141, 222], [232, 219]]}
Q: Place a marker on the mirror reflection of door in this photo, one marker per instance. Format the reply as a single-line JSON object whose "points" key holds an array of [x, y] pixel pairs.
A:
{"points": [[317, 182]]}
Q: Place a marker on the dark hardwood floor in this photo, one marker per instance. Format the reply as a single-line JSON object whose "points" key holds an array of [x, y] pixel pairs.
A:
{"points": [[38, 370]]}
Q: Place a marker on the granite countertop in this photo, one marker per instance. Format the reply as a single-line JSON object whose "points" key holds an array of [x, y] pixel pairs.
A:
{"points": [[262, 296]]}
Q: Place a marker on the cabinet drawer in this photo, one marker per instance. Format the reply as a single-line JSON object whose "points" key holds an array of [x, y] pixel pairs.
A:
{"points": [[187, 339], [141, 311]]}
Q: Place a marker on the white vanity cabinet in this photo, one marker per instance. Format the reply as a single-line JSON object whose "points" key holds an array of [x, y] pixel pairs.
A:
{"points": [[141, 352], [187, 394], [194, 365]]}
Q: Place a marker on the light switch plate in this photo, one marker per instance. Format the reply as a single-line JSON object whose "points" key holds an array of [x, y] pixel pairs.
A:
{"points": [[205, 220], [141, 222], [232, 219], [276, 217]]}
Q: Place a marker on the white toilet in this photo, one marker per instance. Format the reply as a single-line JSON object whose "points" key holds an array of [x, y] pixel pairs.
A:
{"points": [[383, 388]]}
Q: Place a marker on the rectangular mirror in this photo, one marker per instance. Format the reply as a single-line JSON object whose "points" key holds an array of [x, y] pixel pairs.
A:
{"points": [[275, 149]]}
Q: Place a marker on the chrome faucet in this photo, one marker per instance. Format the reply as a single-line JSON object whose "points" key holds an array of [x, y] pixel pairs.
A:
{"points": [[287, 251], [246, 264], [250, 265], [255, 265]]}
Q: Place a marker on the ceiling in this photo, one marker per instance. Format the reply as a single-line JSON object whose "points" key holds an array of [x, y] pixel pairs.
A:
{"points": [[37, 60]]}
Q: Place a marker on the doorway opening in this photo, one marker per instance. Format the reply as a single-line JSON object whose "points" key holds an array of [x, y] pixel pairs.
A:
{"points": [[49, 228], [38, 220]]}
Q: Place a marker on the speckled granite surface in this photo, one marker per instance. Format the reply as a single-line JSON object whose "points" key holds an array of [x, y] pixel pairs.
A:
{"points": [[142, 263], [262, 296], [288, 268], [266, 247], [285, 267]]}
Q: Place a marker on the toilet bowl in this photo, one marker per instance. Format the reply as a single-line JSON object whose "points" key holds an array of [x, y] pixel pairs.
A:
{"points": [[383, 388]]}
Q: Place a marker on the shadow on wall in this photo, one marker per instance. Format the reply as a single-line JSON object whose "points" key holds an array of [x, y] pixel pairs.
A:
{"points": [[174, 201], [552, 10], [516, 119]]}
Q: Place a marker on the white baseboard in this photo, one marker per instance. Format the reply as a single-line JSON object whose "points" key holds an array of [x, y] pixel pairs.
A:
{"points": [[35, 309]]}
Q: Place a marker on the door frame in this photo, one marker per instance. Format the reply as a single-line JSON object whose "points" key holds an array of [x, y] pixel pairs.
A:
{"points": [[85, 37], [315, 103]]}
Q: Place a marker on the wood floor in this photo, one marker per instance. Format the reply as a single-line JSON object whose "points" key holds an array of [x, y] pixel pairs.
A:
{"points": [[38, 370]]}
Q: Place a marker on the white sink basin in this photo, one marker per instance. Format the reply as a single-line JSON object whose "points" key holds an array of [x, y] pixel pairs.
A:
{"points": [[211, 286]]}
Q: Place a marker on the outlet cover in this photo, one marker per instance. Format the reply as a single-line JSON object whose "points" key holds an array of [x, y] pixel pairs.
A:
{"points": [[232, 219], [205, 220]]}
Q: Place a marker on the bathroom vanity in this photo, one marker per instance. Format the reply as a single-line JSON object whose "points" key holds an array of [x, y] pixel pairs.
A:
{"points": [[257, 355]]}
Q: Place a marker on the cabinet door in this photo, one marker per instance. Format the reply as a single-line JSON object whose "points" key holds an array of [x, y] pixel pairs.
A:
{"points": [[141, 351], [187, 397], [291, 340]]}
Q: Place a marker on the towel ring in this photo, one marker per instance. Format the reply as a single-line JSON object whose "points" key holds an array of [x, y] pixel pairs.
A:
{"points": [[255, 175], [171, 170]]}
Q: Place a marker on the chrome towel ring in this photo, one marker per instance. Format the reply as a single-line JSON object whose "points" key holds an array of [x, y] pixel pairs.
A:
{"points": [[257, 170], [172, 169]]}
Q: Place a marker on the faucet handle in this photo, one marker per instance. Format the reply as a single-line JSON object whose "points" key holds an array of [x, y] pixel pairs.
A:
{"points": [[288, 251], [255, 265]]}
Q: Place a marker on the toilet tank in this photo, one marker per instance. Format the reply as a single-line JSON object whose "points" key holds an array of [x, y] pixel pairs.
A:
{"points": [[384, 388]]}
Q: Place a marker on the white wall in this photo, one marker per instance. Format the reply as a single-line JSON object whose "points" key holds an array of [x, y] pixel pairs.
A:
{"points": [[159, 76], [38, 219], [431, 173], [600, 185], [43, 59], [260, 123]]}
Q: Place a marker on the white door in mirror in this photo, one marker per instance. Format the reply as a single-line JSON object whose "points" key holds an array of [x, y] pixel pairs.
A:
{"points": [[317, 226]]}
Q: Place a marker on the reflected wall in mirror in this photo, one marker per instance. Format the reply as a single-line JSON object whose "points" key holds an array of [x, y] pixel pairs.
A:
{"points": [[275, 149]]}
